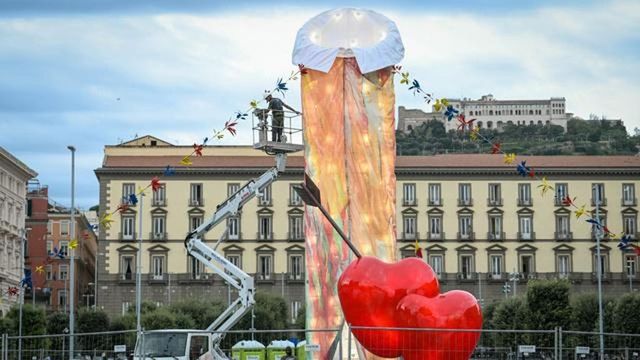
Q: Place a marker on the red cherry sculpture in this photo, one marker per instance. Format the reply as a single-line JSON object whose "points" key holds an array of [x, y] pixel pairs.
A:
{"points": [[406, 295]]}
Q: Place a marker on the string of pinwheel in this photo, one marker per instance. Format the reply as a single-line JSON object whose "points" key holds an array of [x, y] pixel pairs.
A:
{"points": [[521, 168], [229, 126], [281, 87]]}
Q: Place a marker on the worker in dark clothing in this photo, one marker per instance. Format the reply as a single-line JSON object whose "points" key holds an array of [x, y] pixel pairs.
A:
{"points": [[289, 355], [276, 106]]}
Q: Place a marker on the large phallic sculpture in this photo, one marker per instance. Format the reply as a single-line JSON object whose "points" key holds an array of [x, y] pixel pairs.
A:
{"points": [[348, 101]]}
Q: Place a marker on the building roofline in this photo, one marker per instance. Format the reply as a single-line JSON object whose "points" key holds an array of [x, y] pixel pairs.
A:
{"points": [[19, 164]]}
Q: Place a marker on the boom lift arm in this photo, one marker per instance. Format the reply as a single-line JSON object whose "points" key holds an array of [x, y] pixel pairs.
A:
{"points": [[223, 267]]}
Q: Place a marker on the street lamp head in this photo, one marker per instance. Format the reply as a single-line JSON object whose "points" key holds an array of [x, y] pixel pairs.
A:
{"points": [[72, 148]]}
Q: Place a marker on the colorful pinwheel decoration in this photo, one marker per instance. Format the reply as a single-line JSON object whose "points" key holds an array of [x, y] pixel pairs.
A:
{"points": [[241, 116], [404, 78], [524, 170], [450, 112], [281, 86], [415, 86], [133, 199], [169, 171], [509, 158], [40, 269], [580, 211], [73, 244], [186, 161], [155, 184], [231, 127], [13, 291], [545, 186], [106, 221], [26, 280], [567, 201], [197, 149], [303, 70], [463, 123], [495, 148], [440, 104], [475, 132], [57, 253]]}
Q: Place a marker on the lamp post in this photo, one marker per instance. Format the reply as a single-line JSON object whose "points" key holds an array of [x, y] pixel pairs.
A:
{"points": [[72, 283], [599, 271], [139, 269]]}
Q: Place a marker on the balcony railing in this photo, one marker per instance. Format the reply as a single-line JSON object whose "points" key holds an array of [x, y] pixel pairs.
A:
{"points": [[496, 235], [462, 276], [296, 277], [410, 236], [526, 236], [127, 237], [435, 202], [525, 202], [264, 236], [294, 236], [158, 236], [602, 203], [465, 202], [409, 202], [264, 202], [497, 277], [298, 202], [265, 277], [563, 235], [468, 236], [154, 278], [494, 202], [435, 236], [196, 202], [159, 202], [629, 202], [127, 277], [234, 237]]}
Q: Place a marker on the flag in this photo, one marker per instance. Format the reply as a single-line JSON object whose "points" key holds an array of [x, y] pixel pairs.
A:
{"points": [[417, 249]]}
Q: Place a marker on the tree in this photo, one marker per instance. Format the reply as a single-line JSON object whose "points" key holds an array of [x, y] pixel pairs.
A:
{"points": [[89, 321], [301, 319], [34, 320], [510, 314], [161, 318], [584, 309], [57, 322], [203, 313], [627, 314], [548, 302]]}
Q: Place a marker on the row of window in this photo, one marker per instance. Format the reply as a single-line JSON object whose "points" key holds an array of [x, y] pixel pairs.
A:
{"points": [[265, 226], [196, 197], [526, 264], [495, 229], [507, 112], [158, 271], [13, 214], [12, 184], [409, 196]]}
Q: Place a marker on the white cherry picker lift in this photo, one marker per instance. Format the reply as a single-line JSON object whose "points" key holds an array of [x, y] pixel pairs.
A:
{"points": [[205, 344]]}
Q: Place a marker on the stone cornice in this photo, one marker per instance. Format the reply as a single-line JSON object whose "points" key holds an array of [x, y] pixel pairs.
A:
{"points": [[399, 171]]}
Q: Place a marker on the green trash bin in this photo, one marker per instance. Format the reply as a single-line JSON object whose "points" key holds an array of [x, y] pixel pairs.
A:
{"points": [[275, 349], [301, 354], [248, 350]]}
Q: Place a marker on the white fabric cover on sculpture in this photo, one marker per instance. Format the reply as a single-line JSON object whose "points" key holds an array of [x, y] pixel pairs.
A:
{"points": [[372, 38]]}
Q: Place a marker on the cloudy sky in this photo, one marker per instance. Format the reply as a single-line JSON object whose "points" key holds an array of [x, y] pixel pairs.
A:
{"points": [[98, 72]]}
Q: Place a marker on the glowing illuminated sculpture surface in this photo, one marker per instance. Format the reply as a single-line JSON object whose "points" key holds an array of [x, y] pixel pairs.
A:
{"points": [[348, 102]]}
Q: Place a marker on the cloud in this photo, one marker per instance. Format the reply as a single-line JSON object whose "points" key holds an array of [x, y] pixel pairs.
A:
{"points": [[76, 75]]}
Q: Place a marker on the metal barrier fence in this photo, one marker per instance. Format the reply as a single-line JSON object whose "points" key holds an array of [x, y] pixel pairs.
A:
{"points": [[416, 343]]}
